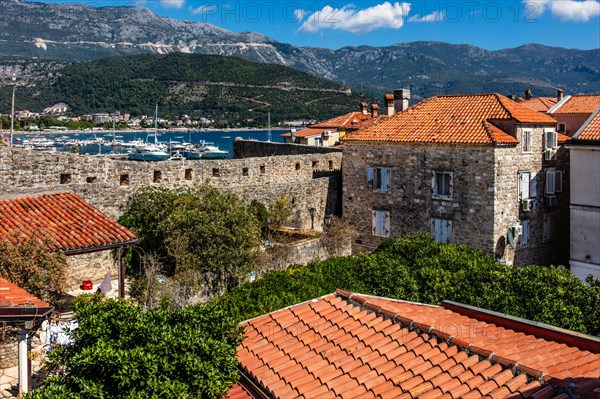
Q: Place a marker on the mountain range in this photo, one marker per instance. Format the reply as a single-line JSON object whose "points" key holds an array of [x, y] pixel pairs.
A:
{"points": [[74, 32]]}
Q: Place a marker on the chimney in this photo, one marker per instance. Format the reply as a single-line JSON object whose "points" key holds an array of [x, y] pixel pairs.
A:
{"points": [[364, 108], [389, 104], [528, 94], [401, 97], [559, 94], [374, 110]]}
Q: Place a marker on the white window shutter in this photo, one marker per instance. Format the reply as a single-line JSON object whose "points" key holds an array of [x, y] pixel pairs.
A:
{"points": [[389, 178], [448, 231], [388, 222], [533, 186], [558, 181], [370, 172], [550, 182], [523, 185], [554, 139], [384, 179]]}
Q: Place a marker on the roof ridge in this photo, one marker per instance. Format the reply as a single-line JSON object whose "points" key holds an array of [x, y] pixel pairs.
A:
{"points": [[421, 328]]}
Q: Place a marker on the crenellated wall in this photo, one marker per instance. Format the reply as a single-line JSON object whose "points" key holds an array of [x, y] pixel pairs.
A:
{"points": [[310, 180]]}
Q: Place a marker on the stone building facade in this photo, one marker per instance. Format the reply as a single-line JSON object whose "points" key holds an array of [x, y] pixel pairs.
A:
{"points": [[425, 170]]}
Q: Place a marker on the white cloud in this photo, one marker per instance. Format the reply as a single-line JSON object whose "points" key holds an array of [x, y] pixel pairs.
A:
{"points": [[203, 9], [436, 16], [568, 10], [299, 14], [172, 3], [350, 19]]}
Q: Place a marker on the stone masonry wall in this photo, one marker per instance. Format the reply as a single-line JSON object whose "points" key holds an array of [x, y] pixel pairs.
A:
{"points": [[410, 199], [92, 266], [253, 148], [9, 354], [509, 161], [109, 183]]}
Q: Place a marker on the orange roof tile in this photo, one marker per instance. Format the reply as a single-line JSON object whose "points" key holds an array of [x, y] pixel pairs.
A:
{"points": [[11, 295], [71, 223], [465, 119], [579, 104], [539, 104], [590, 131], [238, 391], [343, 121], [307, 132], [352, 346]]}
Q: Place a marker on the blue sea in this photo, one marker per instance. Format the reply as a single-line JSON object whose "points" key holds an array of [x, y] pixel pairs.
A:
{"points": [[220, 138]]}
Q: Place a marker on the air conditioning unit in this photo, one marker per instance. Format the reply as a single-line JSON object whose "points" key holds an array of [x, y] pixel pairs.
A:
{"points": [[549, 154], [326, 133], [517, 230], [551, 200], [526, 205]]}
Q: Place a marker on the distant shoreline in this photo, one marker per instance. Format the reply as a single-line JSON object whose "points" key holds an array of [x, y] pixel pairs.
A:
{"points": [[42, 132]]}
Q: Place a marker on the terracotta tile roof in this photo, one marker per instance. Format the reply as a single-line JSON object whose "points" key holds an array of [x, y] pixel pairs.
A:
{"points": [[540, 104], [72, 224], [590, 131], [11, 295], [343, 121], [350, 346], [307, 132], [562, 138], [462, 119], [579, 104], [238, 391]]}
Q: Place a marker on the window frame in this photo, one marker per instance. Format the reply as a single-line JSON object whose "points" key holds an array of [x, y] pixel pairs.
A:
{"points": [[380, 178], [526, 135], [554, 135], [532, 184], [434, 184], [526, 236], [555, 178]]}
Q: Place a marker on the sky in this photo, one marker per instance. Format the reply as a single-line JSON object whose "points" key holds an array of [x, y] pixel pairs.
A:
{"points": [[334, 24]]}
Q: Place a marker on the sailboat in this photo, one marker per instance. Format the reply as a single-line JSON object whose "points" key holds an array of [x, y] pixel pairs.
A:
{"points": [[150, 152]]}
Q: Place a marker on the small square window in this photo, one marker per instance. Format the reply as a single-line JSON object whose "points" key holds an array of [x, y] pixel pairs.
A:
{"points": [[91, 179], [216, 172], [297, 165], [244, 171], [65, 178], [124, 180], [157, 176], [262, 169], [330, 165], [189, 174], [442, 184], [315, 164], [380, 178]]}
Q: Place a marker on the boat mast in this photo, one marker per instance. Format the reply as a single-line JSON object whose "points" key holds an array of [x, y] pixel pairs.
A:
{"points": [[269, 125], [156, 124]]}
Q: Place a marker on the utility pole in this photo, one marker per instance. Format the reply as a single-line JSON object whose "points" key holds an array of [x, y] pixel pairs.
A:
{"points": [[12, 110]]}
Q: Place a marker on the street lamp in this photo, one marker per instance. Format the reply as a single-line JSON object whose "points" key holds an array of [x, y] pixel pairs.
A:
{"points": [[12, 109]]}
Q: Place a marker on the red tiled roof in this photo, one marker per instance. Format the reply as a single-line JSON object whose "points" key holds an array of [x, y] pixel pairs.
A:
{"points": [[343, 121], [539, 104], [238, 391], [306, 132], [351, 346], [71, 223], [562, 138], [590, 129], [579, 104], [12, 295], [453, 119]]}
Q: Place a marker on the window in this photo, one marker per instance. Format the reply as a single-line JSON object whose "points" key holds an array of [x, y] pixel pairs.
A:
{"points": [[189, 174], [216, 172], [65, 178], [380, 178], [550, 139], [553, 182], [561, 127], [381, 223], [124, 180], [318, 142], [524, 236], [297, 165], [315, 164], [244, 171], [91, 179], [442, 184], [441, 230], [262, 169], [526, 141], [527, 185], [157, 176], [549, 226]]}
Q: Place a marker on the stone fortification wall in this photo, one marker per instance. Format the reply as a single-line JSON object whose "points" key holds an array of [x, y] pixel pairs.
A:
{"points": [[108, 183], [252, 148]]}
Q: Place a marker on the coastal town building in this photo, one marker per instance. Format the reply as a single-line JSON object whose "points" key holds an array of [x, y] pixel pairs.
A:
{"points": [[347, 345], [585, 198], [72, 226], [540, 104], [56, 109], [572, 111], [479, 170]]}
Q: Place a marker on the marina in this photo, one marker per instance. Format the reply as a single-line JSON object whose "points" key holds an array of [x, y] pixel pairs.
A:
{"points": [[145, 146]]}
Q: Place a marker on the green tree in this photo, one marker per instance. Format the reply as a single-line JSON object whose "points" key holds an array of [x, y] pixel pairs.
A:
{"points": [[121, 351], [31, 264]]}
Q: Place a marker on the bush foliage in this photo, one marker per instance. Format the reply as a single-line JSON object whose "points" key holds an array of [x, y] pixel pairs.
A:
{"points": [[416, 268], [121, 351]]}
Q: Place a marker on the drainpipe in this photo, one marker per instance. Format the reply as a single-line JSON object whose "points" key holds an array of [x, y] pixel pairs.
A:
{"points": [[24, 364]]}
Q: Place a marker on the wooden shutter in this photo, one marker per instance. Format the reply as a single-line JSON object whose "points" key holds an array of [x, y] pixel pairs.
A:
{"points": [[550, 182], [558, 181], [524, 182], [370, 172], [384, 179], [533, 185]]}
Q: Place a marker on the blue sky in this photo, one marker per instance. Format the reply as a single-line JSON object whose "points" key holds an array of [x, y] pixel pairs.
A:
{"points": [[488, 24]]}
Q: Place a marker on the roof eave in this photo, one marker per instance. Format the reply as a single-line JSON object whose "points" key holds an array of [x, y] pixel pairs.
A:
{"points": [[87, 250]]}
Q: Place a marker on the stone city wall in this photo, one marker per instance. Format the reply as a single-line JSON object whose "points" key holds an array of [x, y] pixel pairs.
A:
{"points": [[108, 183], [253, 148]]}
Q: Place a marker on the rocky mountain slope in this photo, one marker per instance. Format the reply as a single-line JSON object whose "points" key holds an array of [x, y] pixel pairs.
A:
{"points": [[73, 32]]}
